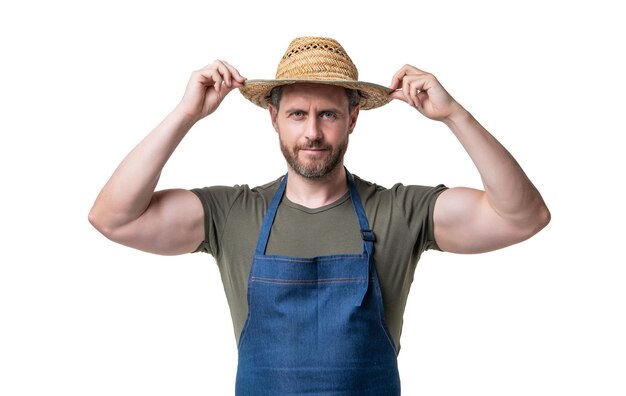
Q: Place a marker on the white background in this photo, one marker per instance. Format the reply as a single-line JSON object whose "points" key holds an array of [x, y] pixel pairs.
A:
{"points": [[82, 82]]}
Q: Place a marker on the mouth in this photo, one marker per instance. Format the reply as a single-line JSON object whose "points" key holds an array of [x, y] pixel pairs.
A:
{"points": [[313, 147], [313, 151]]}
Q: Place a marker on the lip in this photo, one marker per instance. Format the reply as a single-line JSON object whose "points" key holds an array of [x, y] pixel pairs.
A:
{"points": [[313, 151]]}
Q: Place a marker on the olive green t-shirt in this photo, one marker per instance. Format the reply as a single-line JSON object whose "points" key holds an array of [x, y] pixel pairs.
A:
{"points": [[401, 218]]}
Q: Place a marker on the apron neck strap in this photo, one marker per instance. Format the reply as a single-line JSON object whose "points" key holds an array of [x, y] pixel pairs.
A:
{"points": [[366, 233], [268, 220]]}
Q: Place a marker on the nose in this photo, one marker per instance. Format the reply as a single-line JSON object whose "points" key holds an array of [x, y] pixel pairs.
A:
{"points": [[313, 130]]}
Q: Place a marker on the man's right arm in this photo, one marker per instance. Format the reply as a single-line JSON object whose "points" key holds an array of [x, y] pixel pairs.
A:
{"points": [[128, 210]]}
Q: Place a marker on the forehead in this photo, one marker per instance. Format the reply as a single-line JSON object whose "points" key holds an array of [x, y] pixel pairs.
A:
{"points": [[319, 92]]}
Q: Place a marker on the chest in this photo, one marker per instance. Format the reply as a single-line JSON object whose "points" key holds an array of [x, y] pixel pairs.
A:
{"points": [[298, 232]]}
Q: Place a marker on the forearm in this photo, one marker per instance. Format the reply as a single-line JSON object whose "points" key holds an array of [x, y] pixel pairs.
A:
{"points": [[129, 191], [508, 190]]}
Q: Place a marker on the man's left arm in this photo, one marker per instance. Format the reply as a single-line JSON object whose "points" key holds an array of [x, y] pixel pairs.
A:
{"points": [[509, 209]]}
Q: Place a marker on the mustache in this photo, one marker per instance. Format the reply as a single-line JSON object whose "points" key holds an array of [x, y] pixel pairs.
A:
{"points": [[313, 144]]}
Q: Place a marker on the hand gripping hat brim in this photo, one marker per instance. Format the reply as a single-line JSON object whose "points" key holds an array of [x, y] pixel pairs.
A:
{"points": [[317, 60]]}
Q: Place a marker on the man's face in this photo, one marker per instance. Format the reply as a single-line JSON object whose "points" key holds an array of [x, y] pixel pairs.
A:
{"points": [[313, 125]]}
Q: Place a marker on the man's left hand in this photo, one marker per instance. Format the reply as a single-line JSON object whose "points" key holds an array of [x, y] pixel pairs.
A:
{"points": [[424, 92]]}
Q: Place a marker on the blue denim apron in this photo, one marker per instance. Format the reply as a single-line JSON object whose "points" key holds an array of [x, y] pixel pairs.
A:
{"points": [[316, 326]]}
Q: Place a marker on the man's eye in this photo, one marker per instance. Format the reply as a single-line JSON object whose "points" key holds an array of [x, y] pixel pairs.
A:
{"points": [[297, 114], [328, 114]]}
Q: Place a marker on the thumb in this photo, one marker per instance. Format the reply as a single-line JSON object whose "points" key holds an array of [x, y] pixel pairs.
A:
{"points": [[398, 94]]}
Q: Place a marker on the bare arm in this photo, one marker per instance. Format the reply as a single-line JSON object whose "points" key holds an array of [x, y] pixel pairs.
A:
{"points": [[128, 210], [508, 210]]}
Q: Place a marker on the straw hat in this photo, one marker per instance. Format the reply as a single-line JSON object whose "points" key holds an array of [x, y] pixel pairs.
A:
{"points": [[316, 60]]}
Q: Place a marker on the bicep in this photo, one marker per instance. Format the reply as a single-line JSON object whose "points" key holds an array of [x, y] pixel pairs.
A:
{"points": [[172, 224], [465, 222]]}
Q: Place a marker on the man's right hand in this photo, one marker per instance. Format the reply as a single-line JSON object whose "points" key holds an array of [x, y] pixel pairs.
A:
{"points": [[207, 88], [128, 210]]}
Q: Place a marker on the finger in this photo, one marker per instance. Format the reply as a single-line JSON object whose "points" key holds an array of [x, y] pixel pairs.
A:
{"points": [[414, 93], [398, 94], [422, 96], [406, 90], [396, 80], [406, 70], [207, 73], [224, 72], [216, 76], [234, 72]]}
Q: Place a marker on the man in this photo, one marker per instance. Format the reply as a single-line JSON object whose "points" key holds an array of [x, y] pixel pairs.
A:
{"points": [[317, 264]]}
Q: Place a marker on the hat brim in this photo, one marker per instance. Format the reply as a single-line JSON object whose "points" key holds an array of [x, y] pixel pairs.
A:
{"points": [[372, 95]]}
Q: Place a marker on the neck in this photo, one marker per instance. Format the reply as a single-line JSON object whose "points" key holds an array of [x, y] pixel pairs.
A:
{"points": [[315, 193]]}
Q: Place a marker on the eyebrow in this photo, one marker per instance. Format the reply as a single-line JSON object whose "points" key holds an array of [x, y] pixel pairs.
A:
{"points": [[335, 110]]}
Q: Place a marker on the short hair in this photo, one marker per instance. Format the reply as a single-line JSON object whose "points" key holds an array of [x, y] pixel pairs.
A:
{"points": [[354, 97]]}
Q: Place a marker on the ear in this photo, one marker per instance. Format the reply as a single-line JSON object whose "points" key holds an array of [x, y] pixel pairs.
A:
{"points": [[353, 117], [274, 116]]}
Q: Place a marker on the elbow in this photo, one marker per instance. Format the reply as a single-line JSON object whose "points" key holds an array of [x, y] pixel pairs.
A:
{"points": [[539, 220], [95, 220], [531, 222], [99, 221], [545, 216]]}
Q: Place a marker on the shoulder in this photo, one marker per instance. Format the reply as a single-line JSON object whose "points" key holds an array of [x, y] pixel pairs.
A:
{"points": [[399, 193], [232, 207], [228, 195], [404, 211], [267, 190]]}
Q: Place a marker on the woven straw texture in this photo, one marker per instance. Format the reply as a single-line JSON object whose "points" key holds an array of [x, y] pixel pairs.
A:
{"points": [[316, 60]]}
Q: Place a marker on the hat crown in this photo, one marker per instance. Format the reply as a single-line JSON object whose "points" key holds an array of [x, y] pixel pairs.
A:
{"points": [[316, 58]]}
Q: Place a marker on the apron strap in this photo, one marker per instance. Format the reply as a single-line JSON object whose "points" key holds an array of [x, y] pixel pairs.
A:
{"points": [[367, 235], [268, 220]]}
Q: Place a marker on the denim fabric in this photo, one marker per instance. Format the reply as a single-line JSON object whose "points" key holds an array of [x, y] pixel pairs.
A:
{"points": [[316, 325]]}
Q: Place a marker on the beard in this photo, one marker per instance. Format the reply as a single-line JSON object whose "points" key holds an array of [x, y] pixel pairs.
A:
{"points": [[314, 168]]}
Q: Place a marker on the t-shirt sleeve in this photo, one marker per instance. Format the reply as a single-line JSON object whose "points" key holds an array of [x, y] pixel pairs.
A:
{"points": [[216, 203], [418, 204]]}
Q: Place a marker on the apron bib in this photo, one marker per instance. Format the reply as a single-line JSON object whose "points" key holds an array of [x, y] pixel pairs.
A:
{"points": [[316, 326]]}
